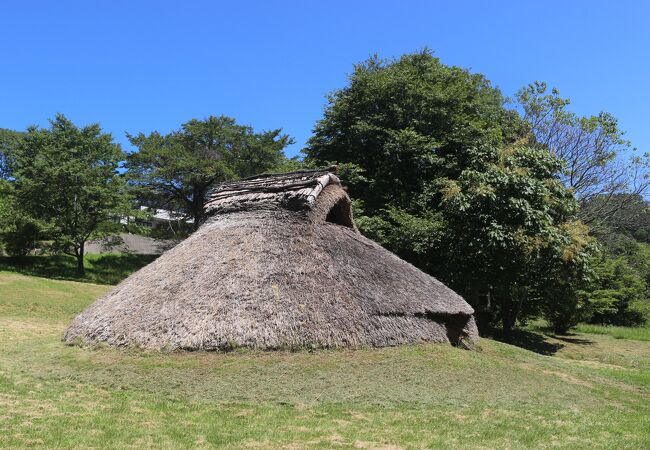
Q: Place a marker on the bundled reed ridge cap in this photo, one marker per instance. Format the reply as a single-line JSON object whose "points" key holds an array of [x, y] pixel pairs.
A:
{"points": [[292, 190]]}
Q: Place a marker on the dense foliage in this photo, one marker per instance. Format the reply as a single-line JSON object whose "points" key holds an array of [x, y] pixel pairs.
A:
{"points": [[19, 232], [447, 177], [406, 123], [618, 286], [66, 177]]}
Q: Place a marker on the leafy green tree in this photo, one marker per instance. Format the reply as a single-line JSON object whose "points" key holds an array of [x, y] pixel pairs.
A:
{"points": [[177, 170], [510, 233], [18, 232], [618, 286], [639, 260], [67, 177], [407, 122], [561, 275], [444, 175]]}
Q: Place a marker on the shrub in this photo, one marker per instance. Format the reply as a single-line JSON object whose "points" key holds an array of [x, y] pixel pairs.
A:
{"points": [[22, 238], [617, 287]]}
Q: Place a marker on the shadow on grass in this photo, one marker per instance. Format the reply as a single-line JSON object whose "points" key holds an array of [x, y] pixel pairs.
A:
{"points": [[537, 338], [572, 340], [110, 268], [529, 340]]}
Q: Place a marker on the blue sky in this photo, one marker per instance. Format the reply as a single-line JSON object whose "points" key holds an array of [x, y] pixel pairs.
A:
{"points": [[152, 65]]}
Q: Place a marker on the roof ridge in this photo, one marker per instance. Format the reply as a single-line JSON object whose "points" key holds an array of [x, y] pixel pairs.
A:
{"points": [[297, 189]]}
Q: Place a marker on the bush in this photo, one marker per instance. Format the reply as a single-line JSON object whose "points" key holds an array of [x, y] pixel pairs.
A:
{"points": [[566, 314], [617, 287], [21, 238]]}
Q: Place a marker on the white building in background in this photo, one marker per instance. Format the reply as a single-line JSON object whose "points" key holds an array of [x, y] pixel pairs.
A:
{"points": [[159, 218], [162, 217]]}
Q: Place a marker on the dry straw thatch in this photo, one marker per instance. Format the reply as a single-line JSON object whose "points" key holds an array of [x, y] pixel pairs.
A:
{"points": [[278, 264]]}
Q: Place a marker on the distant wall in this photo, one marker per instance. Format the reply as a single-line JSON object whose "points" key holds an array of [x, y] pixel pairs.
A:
{"points": [[129, 243]]}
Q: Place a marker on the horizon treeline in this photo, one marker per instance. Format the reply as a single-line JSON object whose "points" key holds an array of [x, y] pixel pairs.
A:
{"points": [[523, 207]]}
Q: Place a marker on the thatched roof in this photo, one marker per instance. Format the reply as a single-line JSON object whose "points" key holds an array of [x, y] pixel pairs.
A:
{"points": [[278, 264], [294, 190]]}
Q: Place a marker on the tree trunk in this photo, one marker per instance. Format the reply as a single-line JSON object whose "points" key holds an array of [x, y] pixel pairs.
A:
{"points": [[507, 320], [197, 212], [508, 316], [198, 203], [510, 308], [81, 271]]}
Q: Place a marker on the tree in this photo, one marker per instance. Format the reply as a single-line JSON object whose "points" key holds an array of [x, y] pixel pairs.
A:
{"points": [[630, 216], [598, 158], [178, 169], [68, 178], [616, 288], [8, 141], [446, 177], [561, 275], [18, 231], [406, 122], [509, 232]]}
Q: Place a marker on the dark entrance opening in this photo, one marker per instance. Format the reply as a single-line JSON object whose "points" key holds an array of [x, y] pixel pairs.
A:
{"points": [[341, 213]]}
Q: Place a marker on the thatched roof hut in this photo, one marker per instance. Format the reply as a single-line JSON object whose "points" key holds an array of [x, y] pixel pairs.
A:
{"points": [[278, 264]]}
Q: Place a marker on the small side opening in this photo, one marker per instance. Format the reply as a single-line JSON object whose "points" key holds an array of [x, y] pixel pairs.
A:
{"points": [[341, 213]]}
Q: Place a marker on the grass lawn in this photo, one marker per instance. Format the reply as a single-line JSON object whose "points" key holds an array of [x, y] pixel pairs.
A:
{"points": [[636, 333], [594, 392]]}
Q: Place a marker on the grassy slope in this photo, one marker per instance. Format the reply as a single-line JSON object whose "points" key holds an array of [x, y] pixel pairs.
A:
{"points": [[594, 393]]}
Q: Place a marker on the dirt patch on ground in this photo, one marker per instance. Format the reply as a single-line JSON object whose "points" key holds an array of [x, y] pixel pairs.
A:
{"points": [[569, 378], [376, 446], [600, 365], [562, 375], [15, 329], [6, 278]]}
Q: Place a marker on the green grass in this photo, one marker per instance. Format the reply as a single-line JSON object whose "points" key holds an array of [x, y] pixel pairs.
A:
{"points": [[593, 393], [635, 333], [109, 268]]}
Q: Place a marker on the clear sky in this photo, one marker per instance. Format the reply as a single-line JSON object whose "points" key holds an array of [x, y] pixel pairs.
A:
{"points": [[152, 65]]}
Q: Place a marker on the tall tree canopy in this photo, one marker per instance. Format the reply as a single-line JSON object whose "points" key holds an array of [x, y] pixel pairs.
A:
{"points": [[406, 122], [68, 177], [178, 169], [449, 179]]}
